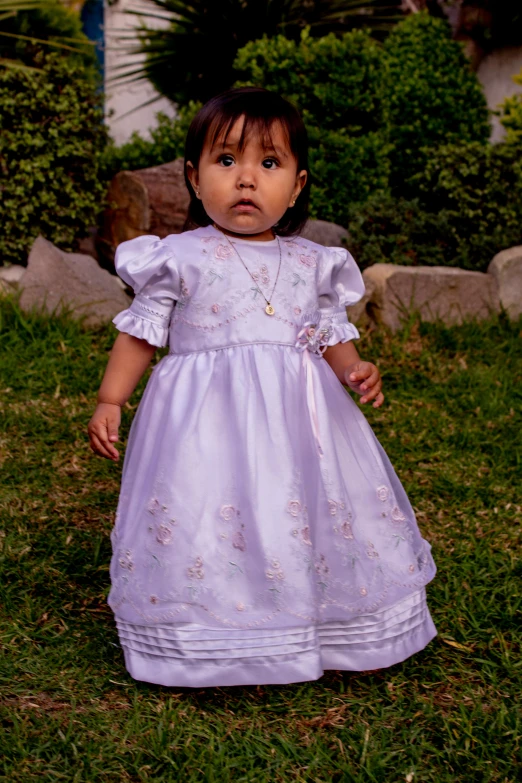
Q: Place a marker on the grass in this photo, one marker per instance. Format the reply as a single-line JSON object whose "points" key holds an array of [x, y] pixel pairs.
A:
{"points": [[451, 425]]}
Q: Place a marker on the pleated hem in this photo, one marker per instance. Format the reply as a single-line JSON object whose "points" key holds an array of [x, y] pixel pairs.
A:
{"points": [[186, 655]]}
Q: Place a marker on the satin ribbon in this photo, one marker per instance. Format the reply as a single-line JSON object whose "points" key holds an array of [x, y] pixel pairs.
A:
{"points": [[313, 340]]}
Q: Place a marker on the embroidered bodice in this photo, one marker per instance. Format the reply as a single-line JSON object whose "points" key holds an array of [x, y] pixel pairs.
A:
{"points": [[193, 291]]}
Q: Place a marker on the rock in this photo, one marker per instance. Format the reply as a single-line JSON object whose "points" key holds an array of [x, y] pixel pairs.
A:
{"points": [[12, 274], [55, 280], [506, 269], [324, 233], [10, 277], [436, 292], [147, 201]]}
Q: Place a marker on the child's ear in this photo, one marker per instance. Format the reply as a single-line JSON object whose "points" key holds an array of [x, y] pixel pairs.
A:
{"points": [[192, 174], [300, 182]]}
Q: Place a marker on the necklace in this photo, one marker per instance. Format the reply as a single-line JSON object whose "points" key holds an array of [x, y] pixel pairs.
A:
{"points": [[269, 309]]}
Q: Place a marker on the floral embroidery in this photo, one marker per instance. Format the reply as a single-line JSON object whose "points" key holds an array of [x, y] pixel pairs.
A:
{"points": [[332, 505], [297, 310], [397, 515], [305, 533], [196, 571], [126, 560], [222, 252], [213, 275], [263, 274], [382, 493], [164, 535], [346, 529], [215, 308], [294, 508], [240, 607], [228, 512], [275, 571], [153, 599], [298, 280], [363, 591], [308, 261], [371, 551], [183, 287], [238, 541]]}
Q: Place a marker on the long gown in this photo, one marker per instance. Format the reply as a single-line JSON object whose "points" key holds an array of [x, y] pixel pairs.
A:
{"points": [[262, 535]]}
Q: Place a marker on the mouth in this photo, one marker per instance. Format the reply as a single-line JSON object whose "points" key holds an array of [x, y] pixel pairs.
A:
{"points": [[245, 205]]}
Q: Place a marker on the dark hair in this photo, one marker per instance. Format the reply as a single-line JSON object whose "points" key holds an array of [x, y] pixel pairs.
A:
{"points": [[261, 109]]}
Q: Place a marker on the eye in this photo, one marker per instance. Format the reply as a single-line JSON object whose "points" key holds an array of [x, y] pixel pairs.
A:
{"points": [[226, 160], [270, 163]]}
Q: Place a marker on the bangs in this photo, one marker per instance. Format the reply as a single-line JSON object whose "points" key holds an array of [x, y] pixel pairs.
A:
{"points": [[253, 126]]}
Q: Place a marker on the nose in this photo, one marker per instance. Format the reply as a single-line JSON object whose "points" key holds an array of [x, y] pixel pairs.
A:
{"points": [[246, 177]]}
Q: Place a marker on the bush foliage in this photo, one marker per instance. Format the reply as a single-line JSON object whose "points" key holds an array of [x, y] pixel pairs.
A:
{"points": [[468, 208], [430, 94], [51, 142], [335, 83], [511, 115]]}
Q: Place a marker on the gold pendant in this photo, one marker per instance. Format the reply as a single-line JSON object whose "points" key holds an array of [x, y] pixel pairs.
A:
{"points": [[269, 310]]}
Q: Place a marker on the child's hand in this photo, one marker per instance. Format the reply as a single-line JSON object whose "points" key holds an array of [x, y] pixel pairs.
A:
{"points": [[364, 378], [103, 430]]}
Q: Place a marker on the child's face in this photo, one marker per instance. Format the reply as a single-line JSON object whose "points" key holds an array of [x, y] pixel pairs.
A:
{"points": [[247, 191]]}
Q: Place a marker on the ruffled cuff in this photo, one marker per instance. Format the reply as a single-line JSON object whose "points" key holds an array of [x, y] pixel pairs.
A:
{"points": [[146, 319], [335, 320]]}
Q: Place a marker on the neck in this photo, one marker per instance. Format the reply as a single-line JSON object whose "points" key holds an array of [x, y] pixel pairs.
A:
{"points": [[264, 236]]}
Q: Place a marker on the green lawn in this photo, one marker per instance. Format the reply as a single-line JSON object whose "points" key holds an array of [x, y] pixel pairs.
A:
{"points": [[451, 424]]}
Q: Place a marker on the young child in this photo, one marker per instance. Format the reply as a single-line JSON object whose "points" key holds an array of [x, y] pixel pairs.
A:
{"points": [[262, 535]]}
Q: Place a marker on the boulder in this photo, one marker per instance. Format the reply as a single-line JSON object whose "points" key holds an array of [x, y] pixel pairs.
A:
{"points": [[55, 280], [435, 292], [324, 233], [10, 277], [506, 269], [147, 201]]}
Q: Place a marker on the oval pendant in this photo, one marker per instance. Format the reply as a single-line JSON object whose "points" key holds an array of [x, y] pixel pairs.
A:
{"points": [[269, 310]]}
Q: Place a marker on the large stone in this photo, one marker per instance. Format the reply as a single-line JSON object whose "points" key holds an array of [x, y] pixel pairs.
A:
{"points": [[435, 292], [324, 233], [55, 280], [506, 269], [10, 277], [147, 201]]}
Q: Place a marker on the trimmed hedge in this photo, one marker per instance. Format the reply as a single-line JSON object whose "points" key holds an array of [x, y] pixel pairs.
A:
{"points": [[468, 208], [51, 141], [431, 96]]}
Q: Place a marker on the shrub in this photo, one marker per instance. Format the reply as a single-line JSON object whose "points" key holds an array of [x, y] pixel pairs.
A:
{"points": [[468, 207], [166, 143], [431, 97], [511, 115], [51, 140], [335, 83]]}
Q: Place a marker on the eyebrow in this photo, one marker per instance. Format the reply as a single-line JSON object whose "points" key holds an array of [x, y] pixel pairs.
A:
{"points": [[231, 144]]}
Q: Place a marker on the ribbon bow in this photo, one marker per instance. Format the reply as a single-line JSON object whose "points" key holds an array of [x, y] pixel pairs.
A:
{"points": [[312, 339]]}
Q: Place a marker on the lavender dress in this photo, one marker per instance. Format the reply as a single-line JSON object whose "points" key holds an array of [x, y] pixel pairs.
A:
{"points": [[262, 535]]}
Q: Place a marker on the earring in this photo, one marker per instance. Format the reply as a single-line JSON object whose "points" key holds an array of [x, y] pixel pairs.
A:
{"points": [[197, 193]]}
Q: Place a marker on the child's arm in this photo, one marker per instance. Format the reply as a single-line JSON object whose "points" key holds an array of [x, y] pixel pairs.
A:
{"points": [[129, 359], [362, 377]]}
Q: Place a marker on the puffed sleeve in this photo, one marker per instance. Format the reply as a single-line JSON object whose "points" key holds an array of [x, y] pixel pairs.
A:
{"points": [[148, 266], [340, 284]]}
